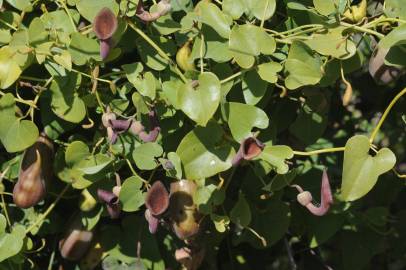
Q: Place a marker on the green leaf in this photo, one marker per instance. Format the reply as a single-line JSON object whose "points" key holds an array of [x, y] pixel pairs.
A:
{"points": [[150, 56], [11, 243], [361, 170], [269, 71], [82, 49], [220, 222], [242, 118], [261, 9], [325, 7], [15, 134], [9, 68], [64, 59], [234, 8], [211, 15], [241, 213], [65, 101], [144, 82], [23, 5], [75, 153], [144, 155], [90, 8], [176, 162], [200, 103], [202, 153], [276, 156], [253, 87], [271, 222], [131, 196], [333, 43], [94, 164], [395, 9], [303, 67]]}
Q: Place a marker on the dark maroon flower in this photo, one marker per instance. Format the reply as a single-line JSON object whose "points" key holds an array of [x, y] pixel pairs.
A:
{"points": [[117, 127], [249, 149], [153, 222], [138, 129], [163, 8], [104, 25], [157, 199], [112, 202]]}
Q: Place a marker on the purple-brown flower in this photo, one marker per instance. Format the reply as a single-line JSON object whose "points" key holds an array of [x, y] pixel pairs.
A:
{"points": [[305, 197], [249, 149], [157, 202], [163, 8], [104, 25], [112, 202]]}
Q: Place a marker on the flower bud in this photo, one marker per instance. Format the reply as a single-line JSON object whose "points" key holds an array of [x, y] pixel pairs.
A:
{"points": [[35, 172], [153, 222], [76, 241], [182, 210], [304, 198]]}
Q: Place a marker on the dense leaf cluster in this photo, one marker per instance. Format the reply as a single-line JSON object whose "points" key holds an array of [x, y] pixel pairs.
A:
{"points": [[211, 134]]}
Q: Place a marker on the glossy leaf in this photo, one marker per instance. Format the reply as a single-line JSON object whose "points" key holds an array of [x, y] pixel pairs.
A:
{"points": [[200, 103], [361, 170], [242, 118]]}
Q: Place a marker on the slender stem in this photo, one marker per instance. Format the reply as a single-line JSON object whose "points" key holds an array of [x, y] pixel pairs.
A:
{"points": [[8, 25], [201, 52], [235, 75], [90, 76], [385, 114], [158, 49], [292, 262], [32, 79], [48, 211], [4, 206], [69, 15], [321, 151], [362, 29], [264, 14]]}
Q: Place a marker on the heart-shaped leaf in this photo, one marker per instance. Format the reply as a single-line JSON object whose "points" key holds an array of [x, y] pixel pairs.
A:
{"points": [[241, 212], [276, 155], [200, 103], [242, 118], [211, 15], [131, 195], [65, 101], [361, 170], [303, 66], [9, 68], [144, 155], [15, 134], [200, 154]]}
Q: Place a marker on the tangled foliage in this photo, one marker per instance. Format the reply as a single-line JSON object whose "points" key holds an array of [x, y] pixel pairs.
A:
{"points": [[186, 134]]}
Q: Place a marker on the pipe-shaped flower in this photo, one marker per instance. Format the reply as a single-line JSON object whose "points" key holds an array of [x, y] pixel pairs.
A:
{"points": [[76, 242], [104, 26], [112, 202], [163, 8], [157, 199], [35, 172], [305, 197], [249, 149]]}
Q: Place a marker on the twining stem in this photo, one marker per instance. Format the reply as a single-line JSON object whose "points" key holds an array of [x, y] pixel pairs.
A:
{"points": [[48, 211], [385, 114], [235, 75], [320, 151], [158, 49], [264, 14], [90, 76], [362, 29], [69, 15]]}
